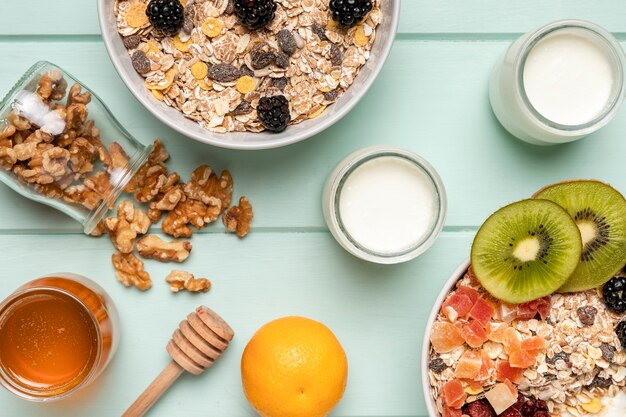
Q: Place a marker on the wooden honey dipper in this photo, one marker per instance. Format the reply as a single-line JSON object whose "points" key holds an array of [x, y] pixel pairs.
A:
{"points": [[196, 344]]}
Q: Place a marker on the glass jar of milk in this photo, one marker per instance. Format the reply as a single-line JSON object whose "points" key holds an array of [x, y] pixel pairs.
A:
{"points": [[384, 204], [558, 83]]}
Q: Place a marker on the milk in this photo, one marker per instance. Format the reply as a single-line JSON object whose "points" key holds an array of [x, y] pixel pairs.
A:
{"points": [[558, 83], [388, 205], [569, 77]]}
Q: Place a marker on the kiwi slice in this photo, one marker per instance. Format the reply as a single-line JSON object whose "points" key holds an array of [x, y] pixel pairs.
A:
{"points": [[526, 250], [600, 213]]}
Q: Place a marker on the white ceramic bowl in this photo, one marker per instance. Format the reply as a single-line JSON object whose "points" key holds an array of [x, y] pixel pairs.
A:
{"points": [[456, 275], [386, 33]]}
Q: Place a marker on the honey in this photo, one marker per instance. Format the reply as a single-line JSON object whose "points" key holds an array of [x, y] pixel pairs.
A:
{"points": [[48, 341], [56, 336]]}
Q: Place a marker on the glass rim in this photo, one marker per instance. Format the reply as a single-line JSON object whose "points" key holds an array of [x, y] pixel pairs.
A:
{"points": [[617, 94], [352, 163], [31, 395]]}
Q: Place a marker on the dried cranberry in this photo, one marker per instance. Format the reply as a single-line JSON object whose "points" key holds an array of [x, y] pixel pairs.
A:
{"points": [[528, 409], [542, 414], [520, 401], [541, 405], [511, 412], [480, 408]]}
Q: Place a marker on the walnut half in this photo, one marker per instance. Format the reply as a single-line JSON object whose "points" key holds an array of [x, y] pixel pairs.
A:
{"points": [[123, 229], [182, 280], [237, 218], [130, 271], [153, 247]]}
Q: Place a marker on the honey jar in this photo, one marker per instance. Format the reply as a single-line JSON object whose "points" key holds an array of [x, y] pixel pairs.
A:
{"points": [[57, 334]]}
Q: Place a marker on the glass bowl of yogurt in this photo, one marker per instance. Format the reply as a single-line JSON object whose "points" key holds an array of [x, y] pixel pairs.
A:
{"points": [[384, 204]]}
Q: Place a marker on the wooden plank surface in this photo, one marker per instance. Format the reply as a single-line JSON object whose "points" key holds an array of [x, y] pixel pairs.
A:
{"points": [[431, 98]]}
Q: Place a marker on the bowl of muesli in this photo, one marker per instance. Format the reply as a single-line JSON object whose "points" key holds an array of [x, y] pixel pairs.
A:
{"points": [[530, 349], [221, 80]]}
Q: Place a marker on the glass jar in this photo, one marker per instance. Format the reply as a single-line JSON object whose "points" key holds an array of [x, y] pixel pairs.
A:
{"points": [[57, 334], [558, 83], [384, 204], [61, 146]]}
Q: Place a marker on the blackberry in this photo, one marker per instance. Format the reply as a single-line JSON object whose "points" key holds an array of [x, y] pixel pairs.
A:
{"points": [[620, 331], [274, 113], [255, 14], [349, 13], [614, 294], [166, 15]]}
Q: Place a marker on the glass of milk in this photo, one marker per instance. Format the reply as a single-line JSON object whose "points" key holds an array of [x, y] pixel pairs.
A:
{"points": [[559, 83], [384, 204]]}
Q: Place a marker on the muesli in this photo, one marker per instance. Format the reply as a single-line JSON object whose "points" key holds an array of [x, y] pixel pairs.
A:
{"points": [[216, 69], [506, 343]]}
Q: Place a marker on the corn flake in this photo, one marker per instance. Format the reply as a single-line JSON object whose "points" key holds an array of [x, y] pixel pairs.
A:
{"points": [[317, 112], [136, 16], [212, 27], [199, 70], [204, 85], [182, 46], [360, 39], [246, 84], [153, 47], [157, 94], [169, 78]]}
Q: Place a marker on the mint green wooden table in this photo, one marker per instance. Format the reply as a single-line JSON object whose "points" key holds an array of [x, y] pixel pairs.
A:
{"points": [[431, 98]]}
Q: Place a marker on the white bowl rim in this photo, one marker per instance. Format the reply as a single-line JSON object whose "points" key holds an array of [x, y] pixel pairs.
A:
{"points": [[454, 278], [284, 140]]}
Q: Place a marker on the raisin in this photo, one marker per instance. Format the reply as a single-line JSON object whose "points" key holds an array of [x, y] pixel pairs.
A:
{"points": [[608, 352], [188, 19], [587, 315], [287, 42], [331, 95], [140, 61], [437, 365], [599, 382], [243, 108], [245, 70], [280, 83], [480, 408], [261, 56], [336, 57], [131, 42], [223, 73], [561, 356], [320, 31], [282, 60], [230, 7]]}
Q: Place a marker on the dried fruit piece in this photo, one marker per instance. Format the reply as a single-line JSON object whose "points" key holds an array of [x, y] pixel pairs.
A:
{"points": [[445, 337], [153, 247], [501, 397], [451, 412], [130, 271], [468, 365], [560, 356], [497, 332], [131, 42], [460, 303], [136, 16], [529, 310], [238, 218], [212, 27], [522, 359], [453, 394], [223, 73], [182, 280], [287, 42], [199, 70], [474, 334], [140, 62], [487, 368], [482, 311], [505, 371], [533, 345], [608, 352], [261, 55], [282, 60], [243, 108], [512, 340], [189, 16], [437, 365], [320, 31], [246, 84]]}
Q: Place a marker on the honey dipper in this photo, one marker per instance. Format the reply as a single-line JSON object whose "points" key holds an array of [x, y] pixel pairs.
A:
{"points": [[196, 344]]}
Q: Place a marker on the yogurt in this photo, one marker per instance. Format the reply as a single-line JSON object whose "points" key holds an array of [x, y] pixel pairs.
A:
{"points": [[388, 205], [384, 204], [569, 77], [613, 407]]}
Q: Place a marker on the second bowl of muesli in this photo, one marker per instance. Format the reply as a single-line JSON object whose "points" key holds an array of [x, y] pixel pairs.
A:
{"points": [[248, 74], [534, 324]]}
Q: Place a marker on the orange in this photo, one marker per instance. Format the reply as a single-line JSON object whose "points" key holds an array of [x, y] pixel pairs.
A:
{"points": [[294, 367]]}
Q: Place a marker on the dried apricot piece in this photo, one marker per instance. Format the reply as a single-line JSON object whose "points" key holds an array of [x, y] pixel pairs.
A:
{"points": [[360, 39], [487, 368], [534, 345], [482, 311], [505, 371], [136, 16], [212, 27], [460, 303], [445, 337], [246, 84], [199, 70], [470, 292], [511, 340], [453, 394], [497, 332], [469, 365], [522, 359], [474, 334]]}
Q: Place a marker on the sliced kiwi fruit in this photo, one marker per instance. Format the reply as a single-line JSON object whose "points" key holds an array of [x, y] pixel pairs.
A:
{"points": [[526, 250], [600, 213]]}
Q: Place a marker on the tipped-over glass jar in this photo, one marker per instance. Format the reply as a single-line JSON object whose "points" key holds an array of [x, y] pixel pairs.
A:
{"points": [[61, 146], [57, 334], [559, 83]]}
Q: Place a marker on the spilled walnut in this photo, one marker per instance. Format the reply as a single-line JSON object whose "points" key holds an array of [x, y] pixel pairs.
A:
{"points": [[130, 271], [153, 247], [182, 280], [123, 229], [237, 218]]}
